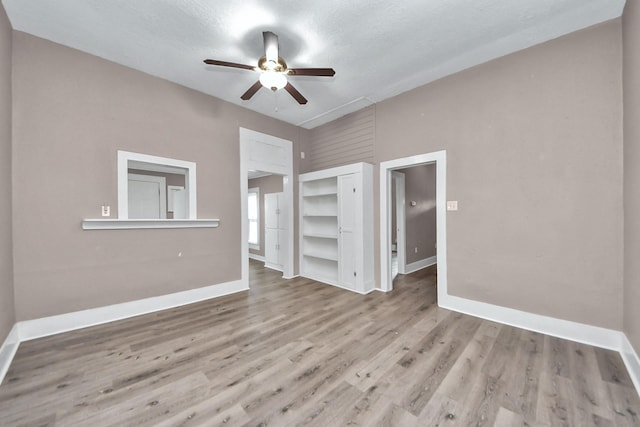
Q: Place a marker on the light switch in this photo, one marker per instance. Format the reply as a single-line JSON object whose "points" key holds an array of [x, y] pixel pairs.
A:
{"points": [[452, 205], [106, 210]]}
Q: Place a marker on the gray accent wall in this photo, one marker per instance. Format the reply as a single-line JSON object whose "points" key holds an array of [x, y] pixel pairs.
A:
{"points": [[7, 314], [631, 73], [72, 112], [267, 185], [349, 139]]}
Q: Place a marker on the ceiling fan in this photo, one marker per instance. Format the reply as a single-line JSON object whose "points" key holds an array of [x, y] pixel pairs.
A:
{"points": [[274, 70]]}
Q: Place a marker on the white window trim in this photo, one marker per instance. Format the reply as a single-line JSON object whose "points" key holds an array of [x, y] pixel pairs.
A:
{"points": [[256, 190]]}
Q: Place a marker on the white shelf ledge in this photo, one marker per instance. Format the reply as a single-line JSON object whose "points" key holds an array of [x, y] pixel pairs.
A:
{"points": [[126, 224]]}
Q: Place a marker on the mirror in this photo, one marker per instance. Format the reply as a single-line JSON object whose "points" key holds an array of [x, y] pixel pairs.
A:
{"points": [[151, 187]]}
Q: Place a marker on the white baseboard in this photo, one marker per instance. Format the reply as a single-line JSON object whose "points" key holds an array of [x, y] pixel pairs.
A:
{"points": [[632, 361], [574, 331], [256, 257], [419, 265], [8, 351], [45, 326], [273, 267], [31, 329]]}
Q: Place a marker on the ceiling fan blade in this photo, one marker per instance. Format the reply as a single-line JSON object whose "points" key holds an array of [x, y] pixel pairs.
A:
{"points": [[294, 92], [229, 64], [323, 72], [251, 91], [270, 46]]}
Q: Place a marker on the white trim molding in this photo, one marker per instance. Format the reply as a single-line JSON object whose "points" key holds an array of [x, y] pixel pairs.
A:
{"points": [[8, 351], [386, 168], [565, 329], [574, 331], [631, 360], [160, 164], [45, 326], [266, 153], [420, 264], [132, 224], [256, 257]]}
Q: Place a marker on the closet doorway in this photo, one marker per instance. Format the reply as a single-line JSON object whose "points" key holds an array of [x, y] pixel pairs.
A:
{"points": [[389, 186]]}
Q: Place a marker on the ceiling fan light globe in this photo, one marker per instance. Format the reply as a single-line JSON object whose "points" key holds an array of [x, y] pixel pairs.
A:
{"points": [[272, 80]]}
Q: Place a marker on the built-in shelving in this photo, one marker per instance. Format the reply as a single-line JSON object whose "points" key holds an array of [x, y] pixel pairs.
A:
{"points": [[330, 199]]}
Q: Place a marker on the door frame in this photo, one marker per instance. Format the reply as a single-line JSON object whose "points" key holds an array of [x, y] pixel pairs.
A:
{"points": [[401, 221], [263, 152], [386, 168]]}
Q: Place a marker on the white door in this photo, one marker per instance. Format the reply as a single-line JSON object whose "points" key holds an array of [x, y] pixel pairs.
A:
{"points": [[283, 212], [346, 218], [147, 197], [272, 248], [282, 247], [275, 236], [271, 210]]}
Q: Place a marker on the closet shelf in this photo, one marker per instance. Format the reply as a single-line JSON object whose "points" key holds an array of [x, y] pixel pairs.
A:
{"points": [[321, 235], [323, 194], [328, 257]]}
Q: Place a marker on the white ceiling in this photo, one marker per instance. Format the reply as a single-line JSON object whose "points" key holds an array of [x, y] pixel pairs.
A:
{"points": [[379, 48]]}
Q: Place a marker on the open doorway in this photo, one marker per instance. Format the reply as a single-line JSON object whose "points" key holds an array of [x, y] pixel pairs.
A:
{"points": [[267, 155], [389, 208], [267, 215], [413, 218]]}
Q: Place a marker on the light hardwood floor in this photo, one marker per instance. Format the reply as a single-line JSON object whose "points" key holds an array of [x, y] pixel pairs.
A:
{"points": [[302, 353]]}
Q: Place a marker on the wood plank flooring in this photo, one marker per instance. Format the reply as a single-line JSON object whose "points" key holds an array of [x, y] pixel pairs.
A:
{"points": [[301, 353]]}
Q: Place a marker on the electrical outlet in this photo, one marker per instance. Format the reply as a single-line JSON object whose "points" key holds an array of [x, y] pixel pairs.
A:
{"points": [[106, 210], [302, 154], [452, 205], [416, 249]]}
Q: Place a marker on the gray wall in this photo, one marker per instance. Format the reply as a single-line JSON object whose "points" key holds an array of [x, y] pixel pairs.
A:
{"points": [[7, 314], [72, 111], [534, 157], [420, 186], [631, 72], [267, 185]]}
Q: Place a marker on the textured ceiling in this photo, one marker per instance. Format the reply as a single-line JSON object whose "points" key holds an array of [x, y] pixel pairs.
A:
{"points": [[378, 48]]}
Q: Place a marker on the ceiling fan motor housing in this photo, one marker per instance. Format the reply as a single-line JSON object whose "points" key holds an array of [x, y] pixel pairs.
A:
{"points": [[279, 67]]}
